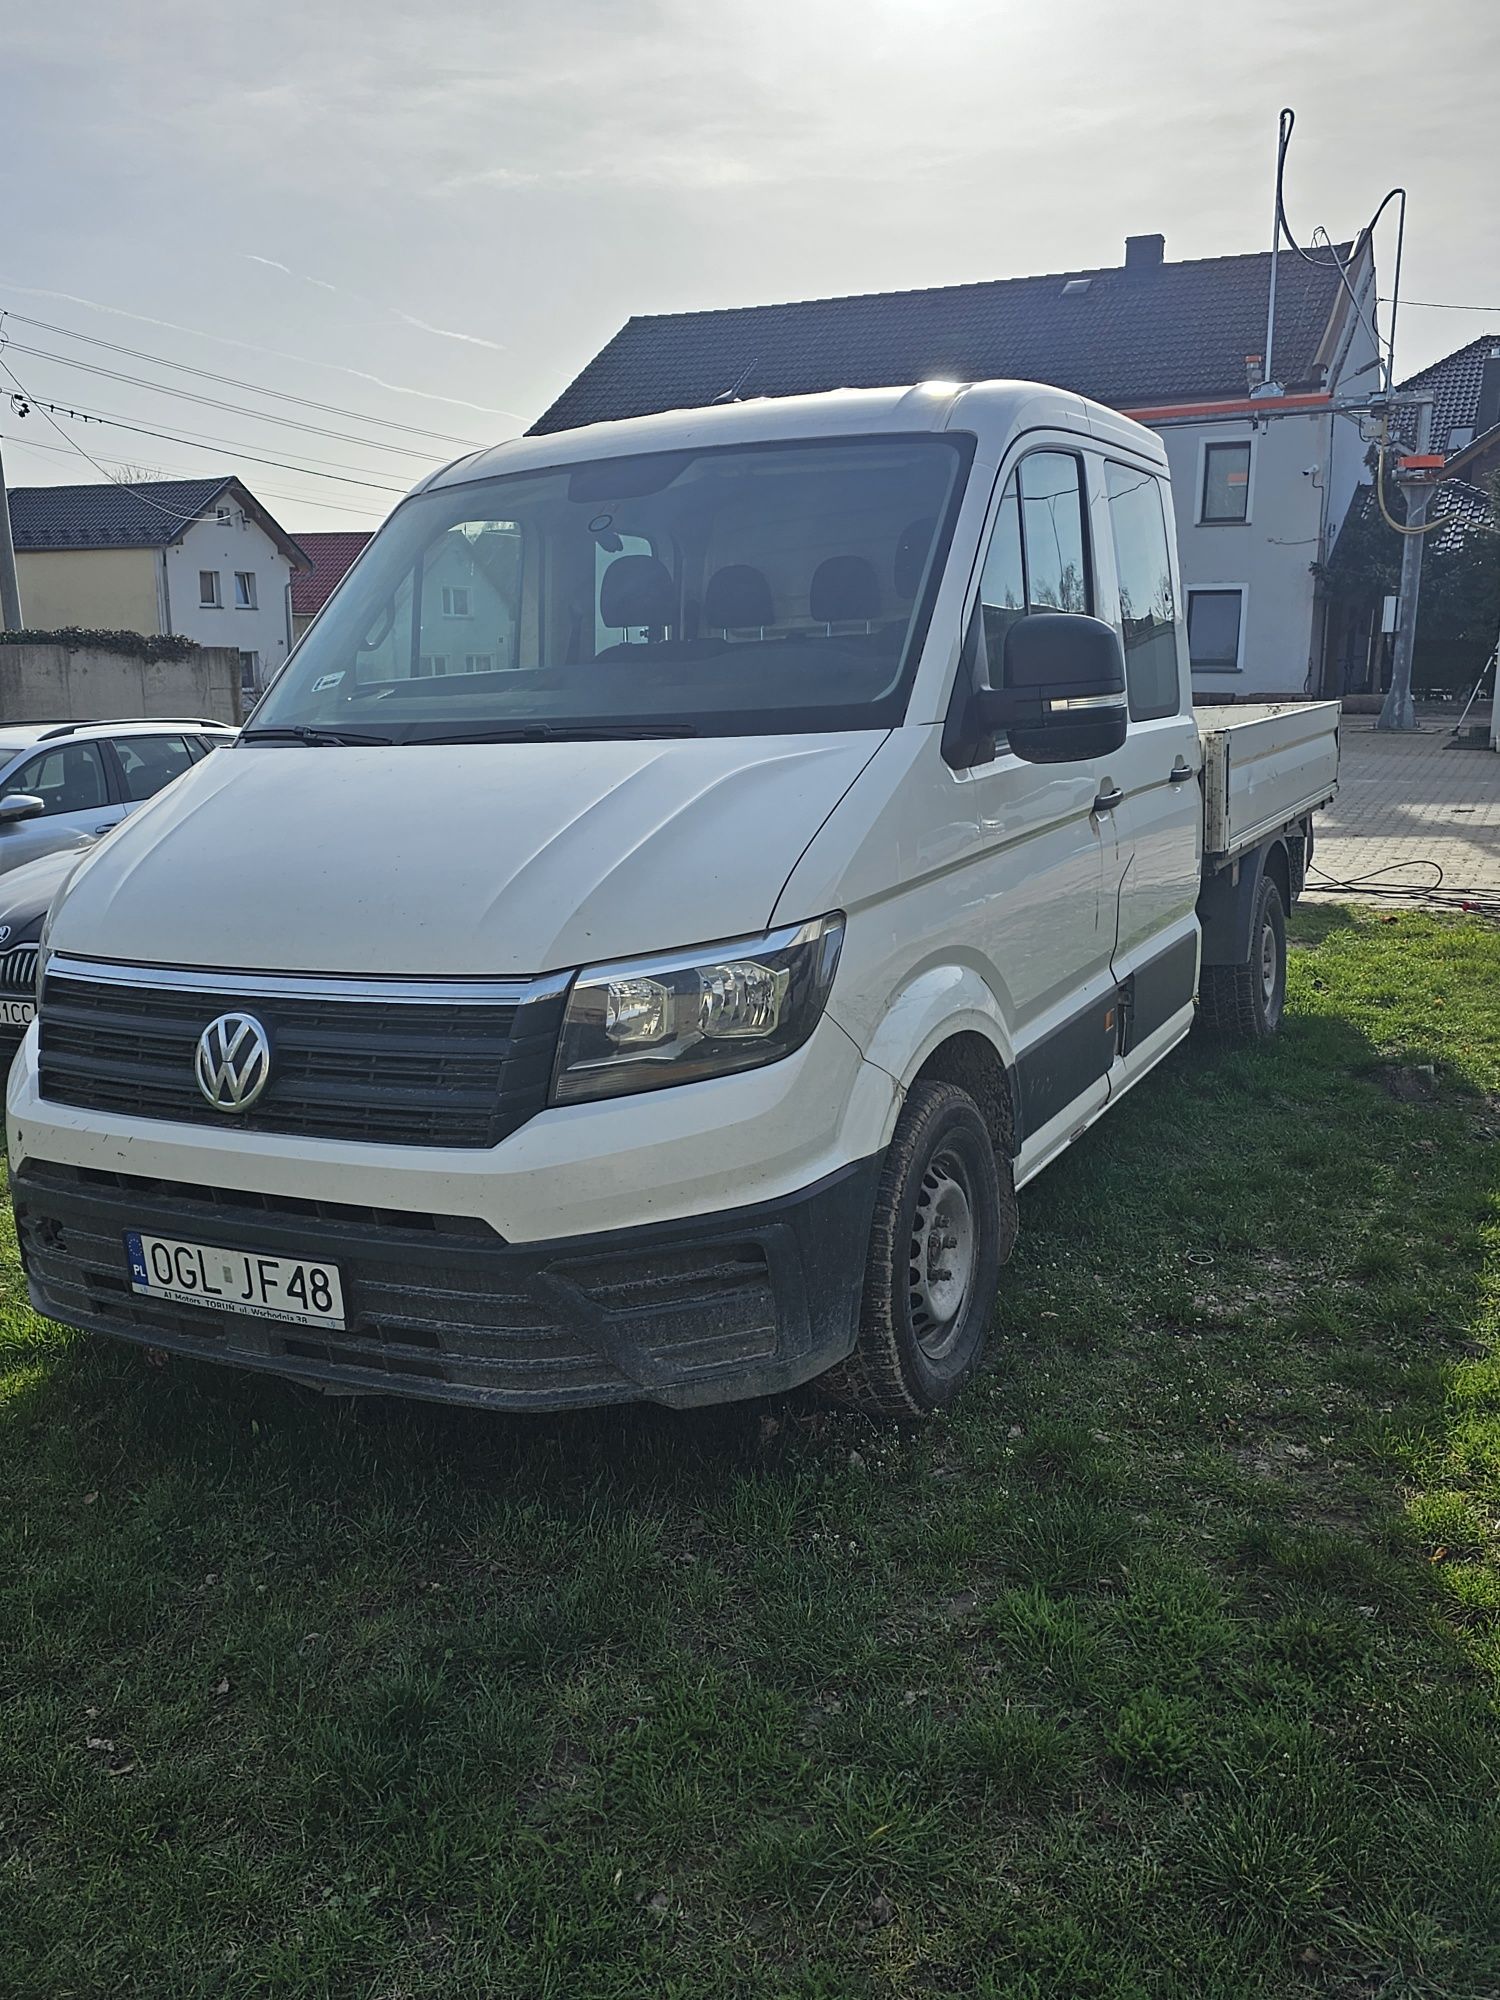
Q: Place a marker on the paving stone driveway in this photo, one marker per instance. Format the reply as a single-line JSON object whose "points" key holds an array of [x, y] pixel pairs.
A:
{"points": [[1410, 798]]}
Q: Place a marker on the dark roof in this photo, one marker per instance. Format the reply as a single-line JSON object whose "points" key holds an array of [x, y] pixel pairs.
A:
{"points": [[147, 515], [1463, 509], [1133, 336], [1454, 382], [333, 555]]}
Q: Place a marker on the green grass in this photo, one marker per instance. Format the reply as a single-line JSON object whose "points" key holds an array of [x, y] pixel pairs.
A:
{"points": [[1167, 1667]]}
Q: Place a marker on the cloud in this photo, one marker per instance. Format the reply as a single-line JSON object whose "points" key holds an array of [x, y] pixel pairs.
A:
{"points": [[392, 312]]}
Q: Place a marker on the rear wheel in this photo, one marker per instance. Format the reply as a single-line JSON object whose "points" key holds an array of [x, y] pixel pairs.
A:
{"points": [[1244, 1003], [945, 1221]]}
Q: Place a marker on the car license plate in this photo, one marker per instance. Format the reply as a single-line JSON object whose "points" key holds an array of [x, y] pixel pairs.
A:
{"points": [[235, 1281], [17, 1013]]}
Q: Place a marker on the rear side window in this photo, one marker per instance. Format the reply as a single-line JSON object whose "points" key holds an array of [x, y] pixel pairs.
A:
{"points": [[149, 762], [1143, 562]]}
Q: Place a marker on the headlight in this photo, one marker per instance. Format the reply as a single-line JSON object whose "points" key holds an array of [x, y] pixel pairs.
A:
{"points": [[652, 1021]]}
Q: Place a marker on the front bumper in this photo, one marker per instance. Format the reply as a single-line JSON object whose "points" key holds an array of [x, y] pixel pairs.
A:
{"points": [[707, 1309]]}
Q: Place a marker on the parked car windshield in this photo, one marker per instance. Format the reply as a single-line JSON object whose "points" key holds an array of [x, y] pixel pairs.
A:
{"points": [[744, 590]]}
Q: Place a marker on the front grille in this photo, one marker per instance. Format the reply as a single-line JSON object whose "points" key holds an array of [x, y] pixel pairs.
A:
{"points": [[18, 971], [436, 1306], [348, 1060]]}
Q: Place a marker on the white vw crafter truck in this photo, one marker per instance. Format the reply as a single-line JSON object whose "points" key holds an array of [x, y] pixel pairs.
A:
{"points": [[691, 875]]}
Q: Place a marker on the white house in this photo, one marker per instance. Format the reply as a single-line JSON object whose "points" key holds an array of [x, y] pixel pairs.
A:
{"points": [[199, 557], [1263, 467]]}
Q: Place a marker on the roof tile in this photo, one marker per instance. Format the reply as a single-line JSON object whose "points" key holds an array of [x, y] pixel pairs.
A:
{"points": [[1129, 337]]}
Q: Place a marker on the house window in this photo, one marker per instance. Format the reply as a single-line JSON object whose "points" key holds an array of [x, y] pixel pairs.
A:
{"points": [[249, 676], [244, 589], [434, 663], [1215, 621], [479, 663], [455, 601], [221, 516], [1143, 564], [1226, 482], [208, 590]]}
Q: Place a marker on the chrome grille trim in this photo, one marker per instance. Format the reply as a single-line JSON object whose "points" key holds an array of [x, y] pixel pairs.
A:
{"points": [[18, 969], [438, 1063], [354, 987]]}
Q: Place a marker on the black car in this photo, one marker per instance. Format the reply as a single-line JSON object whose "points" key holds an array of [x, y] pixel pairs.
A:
{"points": [[26, 895]]}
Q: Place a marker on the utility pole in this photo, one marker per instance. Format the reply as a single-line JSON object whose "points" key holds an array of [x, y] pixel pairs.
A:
{"points": [[1398, 710], [10, 587]]}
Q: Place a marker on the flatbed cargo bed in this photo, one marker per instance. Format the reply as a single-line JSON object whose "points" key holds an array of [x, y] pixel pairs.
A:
{"points": [[1266, 765]]}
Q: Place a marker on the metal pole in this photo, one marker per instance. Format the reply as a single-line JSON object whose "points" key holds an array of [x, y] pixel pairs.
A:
{"points": [[10, 585], [1398, 711], [1267, 376]]}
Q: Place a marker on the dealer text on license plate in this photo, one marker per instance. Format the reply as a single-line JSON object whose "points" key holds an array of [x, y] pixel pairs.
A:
{"points": [[235, 1281]]}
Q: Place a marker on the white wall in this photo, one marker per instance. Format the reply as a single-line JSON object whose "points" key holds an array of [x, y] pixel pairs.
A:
{"points": [[238, 545], [1304, 468], [1268, 556]]}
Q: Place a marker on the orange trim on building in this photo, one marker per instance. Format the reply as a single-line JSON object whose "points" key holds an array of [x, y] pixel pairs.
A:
{"points": [[1313, 399]]}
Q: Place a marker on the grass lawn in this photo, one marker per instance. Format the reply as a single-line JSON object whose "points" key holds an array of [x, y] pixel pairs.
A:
{"points": [[1168, 1666]]}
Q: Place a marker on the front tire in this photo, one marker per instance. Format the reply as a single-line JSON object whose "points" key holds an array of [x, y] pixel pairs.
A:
{"points": [[1244, 1003], [945, 1221]]}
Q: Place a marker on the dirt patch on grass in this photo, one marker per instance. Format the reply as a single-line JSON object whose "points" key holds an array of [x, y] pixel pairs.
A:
{"points": [[1411, 1083]]}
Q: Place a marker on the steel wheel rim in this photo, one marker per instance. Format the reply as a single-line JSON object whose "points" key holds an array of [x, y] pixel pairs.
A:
{"points": [[1269, 966], [943, 1252]]}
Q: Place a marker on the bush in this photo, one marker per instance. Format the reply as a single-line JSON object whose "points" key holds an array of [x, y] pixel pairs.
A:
{"points": [[134, 645]]}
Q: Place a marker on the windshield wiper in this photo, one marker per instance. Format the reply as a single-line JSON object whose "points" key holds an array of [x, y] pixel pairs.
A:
{"points": [[303, 732], [552, 732]]}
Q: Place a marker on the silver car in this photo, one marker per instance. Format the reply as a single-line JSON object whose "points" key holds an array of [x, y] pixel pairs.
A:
{"points": [[62, 779]]}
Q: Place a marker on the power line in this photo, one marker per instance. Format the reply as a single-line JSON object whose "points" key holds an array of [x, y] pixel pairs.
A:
{"points": [[172, 513], [207, 444], [70, 450], [215, 403], [234, 382], [1441, 305]]}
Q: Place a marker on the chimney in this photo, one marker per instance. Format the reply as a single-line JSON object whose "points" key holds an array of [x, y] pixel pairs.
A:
{"points": [[1143, 254], [1488, 412]]}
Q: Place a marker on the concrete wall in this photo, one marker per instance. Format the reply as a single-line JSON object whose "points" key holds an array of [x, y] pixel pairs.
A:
{"points": [[103, 590], [53, 684]]}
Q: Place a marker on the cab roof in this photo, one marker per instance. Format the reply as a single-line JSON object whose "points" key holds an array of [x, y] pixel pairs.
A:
{"points": [[996, 411]]}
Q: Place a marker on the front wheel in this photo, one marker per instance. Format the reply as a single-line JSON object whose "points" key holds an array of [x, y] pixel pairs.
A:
{"points": [[945, 1221], [1244, 1003]]}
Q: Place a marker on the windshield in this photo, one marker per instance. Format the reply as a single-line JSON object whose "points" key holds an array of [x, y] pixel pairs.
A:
{"points": [[746, 590]]}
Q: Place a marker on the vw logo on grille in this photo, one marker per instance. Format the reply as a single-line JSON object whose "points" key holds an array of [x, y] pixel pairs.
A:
{"points": [[233, 1063]]}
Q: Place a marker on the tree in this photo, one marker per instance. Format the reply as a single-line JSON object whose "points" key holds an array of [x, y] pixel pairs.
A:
{"points": [[1460, 604]]}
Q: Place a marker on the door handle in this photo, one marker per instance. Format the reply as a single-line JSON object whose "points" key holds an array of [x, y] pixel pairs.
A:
{"points": [[1180, 773], [1108, 800], [105, 828]]}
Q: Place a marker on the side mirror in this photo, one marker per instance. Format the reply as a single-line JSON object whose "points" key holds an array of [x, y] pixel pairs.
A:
{"points": [[1062, 694], [20, 805]]}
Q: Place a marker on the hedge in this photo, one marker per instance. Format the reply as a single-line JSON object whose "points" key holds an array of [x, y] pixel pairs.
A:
{"points": [[134, 645]]}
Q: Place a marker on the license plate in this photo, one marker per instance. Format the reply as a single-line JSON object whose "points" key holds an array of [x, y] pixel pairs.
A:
{"points": [[235, 1281], [17, 1013]]}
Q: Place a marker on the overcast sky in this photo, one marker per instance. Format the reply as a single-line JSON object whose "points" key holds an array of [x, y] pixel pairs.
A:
{"points": [[466, 200]]}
